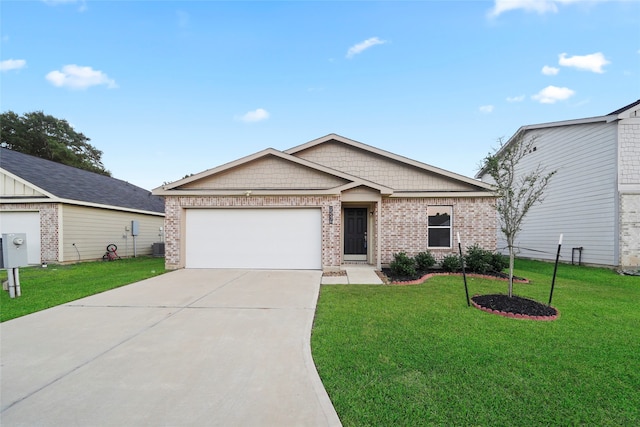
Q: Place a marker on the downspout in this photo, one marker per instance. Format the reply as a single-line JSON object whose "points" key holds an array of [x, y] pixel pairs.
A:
{"points": [[378, 208]]}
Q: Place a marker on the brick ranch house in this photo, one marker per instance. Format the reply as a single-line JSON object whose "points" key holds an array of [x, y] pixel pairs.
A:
{"points": [[319, 205], [70, 214]]}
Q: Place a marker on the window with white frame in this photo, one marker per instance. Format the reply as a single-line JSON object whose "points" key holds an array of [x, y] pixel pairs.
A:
{"points": [[439, 226]]}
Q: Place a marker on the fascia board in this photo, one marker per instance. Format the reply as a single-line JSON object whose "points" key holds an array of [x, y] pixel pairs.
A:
{"points": [[250, 192], [385, 191], [79, 203], [108, 207], [443, 194]]}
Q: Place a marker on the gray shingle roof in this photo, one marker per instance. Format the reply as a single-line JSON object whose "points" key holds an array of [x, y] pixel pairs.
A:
{"points": [[67, 182], [625, 108]]}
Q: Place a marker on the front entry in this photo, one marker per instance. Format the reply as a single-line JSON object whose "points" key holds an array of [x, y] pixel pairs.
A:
{"points": [[355, 234]]}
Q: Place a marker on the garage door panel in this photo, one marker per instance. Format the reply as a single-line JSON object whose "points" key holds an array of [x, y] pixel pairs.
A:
{"points": [[253, 238]]}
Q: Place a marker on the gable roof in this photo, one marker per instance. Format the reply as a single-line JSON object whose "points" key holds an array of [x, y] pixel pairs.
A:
{"points": [[389, 156], [294, 172], [66, 183], [347, 181], [618, 114], [625, 108]]}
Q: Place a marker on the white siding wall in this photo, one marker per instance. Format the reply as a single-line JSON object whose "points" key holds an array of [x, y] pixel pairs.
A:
{"points": [[11, 187], [580, 201], [92, 229]]}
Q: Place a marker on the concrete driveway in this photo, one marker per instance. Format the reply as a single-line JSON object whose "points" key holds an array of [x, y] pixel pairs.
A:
{"points": [[188, 348]]}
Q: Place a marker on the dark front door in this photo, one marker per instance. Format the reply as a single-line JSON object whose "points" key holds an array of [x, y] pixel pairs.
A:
{"points": [[355, 231]]}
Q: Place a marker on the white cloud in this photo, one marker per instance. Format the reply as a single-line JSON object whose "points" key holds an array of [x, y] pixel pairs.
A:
{"points": [[81, 8], [593, 62], [362, 46], [254, 116], [550, 71], [12, 64], [76, 77], [552, 94], [518, 98], [539, 6], [486, 109]]}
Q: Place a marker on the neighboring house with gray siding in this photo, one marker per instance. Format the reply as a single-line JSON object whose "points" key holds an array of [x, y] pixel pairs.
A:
{"points": [[71, 214], [319, 205], [594, 199]]}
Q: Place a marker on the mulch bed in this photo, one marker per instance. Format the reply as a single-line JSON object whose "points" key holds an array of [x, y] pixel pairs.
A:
{"points": [[388, 277], [516, 307]]}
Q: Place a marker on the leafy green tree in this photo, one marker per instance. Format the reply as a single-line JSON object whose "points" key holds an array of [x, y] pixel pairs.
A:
{"points": [[45, 136], [517, 191]]}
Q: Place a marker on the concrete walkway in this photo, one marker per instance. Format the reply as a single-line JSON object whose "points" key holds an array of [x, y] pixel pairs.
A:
{"points": [[356, 274], [188, 348]]}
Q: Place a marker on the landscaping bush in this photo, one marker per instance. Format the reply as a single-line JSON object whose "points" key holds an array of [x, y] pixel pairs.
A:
{"points": [[499, 262], [451, 263], [403, 265], [478, 260], [424, 261]]}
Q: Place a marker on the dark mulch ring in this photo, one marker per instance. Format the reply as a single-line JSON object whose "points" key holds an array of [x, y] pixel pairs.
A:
{"points": [[515, 306]]}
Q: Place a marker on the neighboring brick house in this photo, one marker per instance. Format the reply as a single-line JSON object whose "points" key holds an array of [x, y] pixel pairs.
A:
{"points": [[594, 198], [71, 214], [319, 205]]}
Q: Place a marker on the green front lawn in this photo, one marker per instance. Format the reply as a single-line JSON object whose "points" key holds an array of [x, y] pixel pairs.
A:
{"points": [[417, 355], [57, 284]]}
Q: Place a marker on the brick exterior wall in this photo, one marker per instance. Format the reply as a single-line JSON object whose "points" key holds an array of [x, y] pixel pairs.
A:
{"points": [[630, 230], [174, 210], [404, 225], [629, 176], [49, 234]]}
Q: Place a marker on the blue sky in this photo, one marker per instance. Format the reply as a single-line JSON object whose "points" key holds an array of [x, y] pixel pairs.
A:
{"points": [[167, 88]]}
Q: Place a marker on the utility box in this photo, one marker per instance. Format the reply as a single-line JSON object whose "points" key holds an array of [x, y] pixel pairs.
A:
{"points": [[14, 250], [135, 228]]}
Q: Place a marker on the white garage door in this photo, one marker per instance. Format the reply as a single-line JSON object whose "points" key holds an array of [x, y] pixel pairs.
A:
{"points": [[24, 222], [254, 238]]}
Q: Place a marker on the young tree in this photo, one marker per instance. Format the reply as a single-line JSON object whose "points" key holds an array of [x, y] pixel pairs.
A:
{"points": [[517, 190], [50, 138]]}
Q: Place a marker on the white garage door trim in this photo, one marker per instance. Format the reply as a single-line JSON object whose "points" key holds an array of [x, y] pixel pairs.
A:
{"points": [[266, 238], [24, 222]]}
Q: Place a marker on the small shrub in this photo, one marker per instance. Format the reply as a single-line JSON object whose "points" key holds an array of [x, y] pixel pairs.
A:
{"points": [[478, 260], [403, 265], [451, 263], [424, 261], [499, 262]]}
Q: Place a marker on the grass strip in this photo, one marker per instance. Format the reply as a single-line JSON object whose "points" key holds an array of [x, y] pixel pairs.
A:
{"points": [[417, 355], [43, 288]]}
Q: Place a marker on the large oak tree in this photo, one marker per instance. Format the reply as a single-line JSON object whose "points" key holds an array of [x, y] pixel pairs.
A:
{"points": [[50, 138]]}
